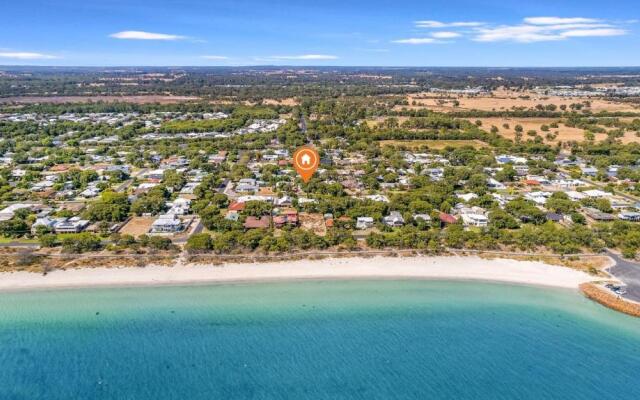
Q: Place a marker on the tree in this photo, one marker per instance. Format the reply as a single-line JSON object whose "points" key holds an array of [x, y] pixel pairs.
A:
{"points": [[173, 180], [199, 242], [48, 240], [81, 242], [111, 207]]}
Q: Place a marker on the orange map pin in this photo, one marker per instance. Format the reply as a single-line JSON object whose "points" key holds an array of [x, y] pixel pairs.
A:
{"points": [[306, 161]]}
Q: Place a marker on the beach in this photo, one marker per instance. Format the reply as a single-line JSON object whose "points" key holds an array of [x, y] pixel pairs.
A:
{"points": [[422, 267]]}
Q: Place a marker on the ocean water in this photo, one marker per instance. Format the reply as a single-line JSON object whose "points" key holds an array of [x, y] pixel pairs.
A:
{"points": [[316, 340]]}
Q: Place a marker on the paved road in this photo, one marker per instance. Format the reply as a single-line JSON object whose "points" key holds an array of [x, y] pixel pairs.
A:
{"points": [[629, 273]]}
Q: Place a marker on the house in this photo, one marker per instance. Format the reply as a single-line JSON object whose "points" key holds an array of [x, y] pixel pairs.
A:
{"points": [[90, 192], [45, 222], [377, 197], [247, 185], [619, 203], [235, 206], [473, 216], [286, 217], [629, 216], [364, 222], [244, 199], [467, 197], [166, 223], [596, 193], [507, 159], [70, 225], [494, 184], [575, 196], [217, 158], [394, 219], [263, 222], [555, 217], [589, 171], [598, 215], [446, 219], [189, 188], [283, 201], [180, 206], [540, 198], [477, 220], [8, 212], [422, 217]]}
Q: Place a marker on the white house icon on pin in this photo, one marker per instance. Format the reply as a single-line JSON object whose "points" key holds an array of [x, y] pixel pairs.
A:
{"points": [[306, 159]]}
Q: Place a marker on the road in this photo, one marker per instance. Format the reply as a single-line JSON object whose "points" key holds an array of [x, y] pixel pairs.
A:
{"points": [[629, 273], [303, 124], [602, 186]]}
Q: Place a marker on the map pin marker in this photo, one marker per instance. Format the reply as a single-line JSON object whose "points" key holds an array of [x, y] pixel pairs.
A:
{"points": [[306, 161]]}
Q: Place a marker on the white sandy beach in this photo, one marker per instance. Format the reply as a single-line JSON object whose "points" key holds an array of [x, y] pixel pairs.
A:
{"points": [[442, 268]]}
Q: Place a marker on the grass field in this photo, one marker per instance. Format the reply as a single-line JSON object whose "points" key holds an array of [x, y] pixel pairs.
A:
{"points": [[433, 144], [504, 100]]}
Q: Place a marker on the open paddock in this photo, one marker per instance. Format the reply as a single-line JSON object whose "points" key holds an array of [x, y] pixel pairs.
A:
{"points": [[506, 101], [147, 99], [433, 144]]}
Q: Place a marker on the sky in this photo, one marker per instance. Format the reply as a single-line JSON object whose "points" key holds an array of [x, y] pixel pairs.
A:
{"points": [[496, 33]]}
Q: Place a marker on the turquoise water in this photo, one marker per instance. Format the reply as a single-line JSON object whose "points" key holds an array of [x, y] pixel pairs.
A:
{"points": [[316, 340]]}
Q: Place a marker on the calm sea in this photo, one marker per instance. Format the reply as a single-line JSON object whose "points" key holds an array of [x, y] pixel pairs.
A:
{"points": [[316, 340]]}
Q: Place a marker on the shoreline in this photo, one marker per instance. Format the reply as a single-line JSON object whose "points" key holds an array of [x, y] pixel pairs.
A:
{"points": [[464, 268]]}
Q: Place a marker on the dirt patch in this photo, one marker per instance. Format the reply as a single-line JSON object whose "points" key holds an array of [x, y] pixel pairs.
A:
{"points": [[313, 222], [137, 226], [281, 102]]}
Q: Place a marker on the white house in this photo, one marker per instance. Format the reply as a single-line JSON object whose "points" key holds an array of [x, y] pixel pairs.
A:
{"points": [[166, 223], [393, 219], [364, 222]]}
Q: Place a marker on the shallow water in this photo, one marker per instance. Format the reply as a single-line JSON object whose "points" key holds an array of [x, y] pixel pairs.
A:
{"points": [[316, 340]]}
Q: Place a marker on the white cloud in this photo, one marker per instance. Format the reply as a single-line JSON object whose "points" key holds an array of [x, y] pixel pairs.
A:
{"points": [[531, 29], [542, 29], [445, 35], [594, 32], [215, 57], [438, 24], [415, 41], [306, 57], [140, 35], [558, 20], [26, 56]]}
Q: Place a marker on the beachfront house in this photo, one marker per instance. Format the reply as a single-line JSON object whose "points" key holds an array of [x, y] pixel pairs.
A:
{"points": [[166, 223], [394, 219]]}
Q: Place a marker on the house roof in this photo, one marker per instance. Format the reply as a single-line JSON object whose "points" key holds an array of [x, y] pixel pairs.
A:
{"points": [[235, 206], [257, 223], [447, 218]]}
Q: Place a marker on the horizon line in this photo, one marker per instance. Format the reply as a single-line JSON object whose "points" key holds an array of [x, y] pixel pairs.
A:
{"points": [[313, 66]]}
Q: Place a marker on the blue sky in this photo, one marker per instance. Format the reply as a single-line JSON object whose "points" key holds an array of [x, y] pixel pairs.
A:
{"points": [[326, 32]]}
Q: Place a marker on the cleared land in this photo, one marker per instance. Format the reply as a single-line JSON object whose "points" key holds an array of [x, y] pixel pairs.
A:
{"points": [[314, 223], [507, 100], [137, 226], [95, 99], [564, 133], [432, 144]]}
